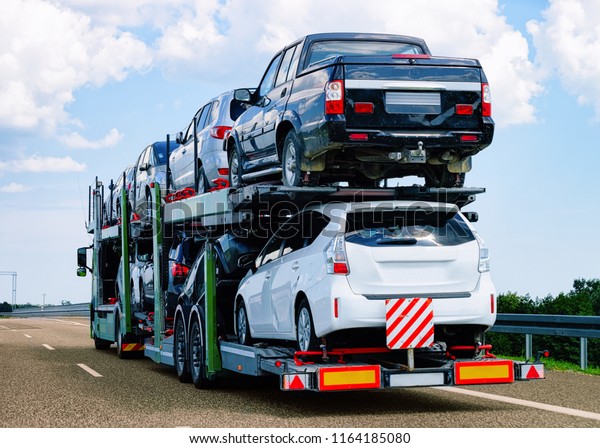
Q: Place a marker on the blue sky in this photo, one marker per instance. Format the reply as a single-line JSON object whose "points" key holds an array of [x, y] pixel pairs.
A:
{"points": [[85, 86]]}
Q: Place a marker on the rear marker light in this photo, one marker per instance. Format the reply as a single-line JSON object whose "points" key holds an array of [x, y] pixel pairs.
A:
{"points": [[334, 98], [359, 137], [363, 108], [223, 171], [219, 132], [486, 100], [464, 109], [468, 138], [492, 302], [410, 56], [336, 309]]}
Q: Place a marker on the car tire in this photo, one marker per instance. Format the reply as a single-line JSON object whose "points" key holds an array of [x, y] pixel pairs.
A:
{"points": [[305, 328], [438, 176], [180, 353], [243, 325], [203, 185], [235, 168], [291, 155], [196, 351]]}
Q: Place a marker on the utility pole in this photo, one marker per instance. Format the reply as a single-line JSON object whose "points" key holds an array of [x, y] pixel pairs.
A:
{"points": [[14, 286], [43, 301]]}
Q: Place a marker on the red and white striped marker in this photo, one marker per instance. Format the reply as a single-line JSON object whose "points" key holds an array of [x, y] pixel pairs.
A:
{"points": [[409, 323]]}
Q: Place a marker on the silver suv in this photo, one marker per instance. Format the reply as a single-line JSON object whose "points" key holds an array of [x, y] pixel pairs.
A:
{"points": [[213, 121]]}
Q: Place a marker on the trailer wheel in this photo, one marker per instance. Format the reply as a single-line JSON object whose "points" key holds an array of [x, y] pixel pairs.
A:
{"points": [[197, 367], [180, 353], [305, 329], [242, 325]]}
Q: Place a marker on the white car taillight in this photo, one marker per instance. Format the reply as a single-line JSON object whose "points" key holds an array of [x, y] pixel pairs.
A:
{"points": [[335, 256], [334, 98], [484, 254]]}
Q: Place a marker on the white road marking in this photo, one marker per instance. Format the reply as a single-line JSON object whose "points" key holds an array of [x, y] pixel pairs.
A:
{"points": [[26, 335], [2, 326], [531, 404], [70, 322], [48, 347], [90, 370]]}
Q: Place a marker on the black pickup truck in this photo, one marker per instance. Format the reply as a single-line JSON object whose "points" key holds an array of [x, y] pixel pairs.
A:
{"points": [[361, 108]]}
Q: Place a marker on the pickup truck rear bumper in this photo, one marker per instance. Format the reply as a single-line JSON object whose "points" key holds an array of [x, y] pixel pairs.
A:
{"points": [[334, 135]]}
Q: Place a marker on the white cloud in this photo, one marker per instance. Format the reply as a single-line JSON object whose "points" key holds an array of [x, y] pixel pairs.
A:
{"points": [[235, 40], [568, 44], [47, 52], [76, 140], [14, 188], [38, 164]]}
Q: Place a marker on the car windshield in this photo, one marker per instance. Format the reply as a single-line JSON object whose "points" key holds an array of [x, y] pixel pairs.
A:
{"points": [[407, 227], [322, 50]]}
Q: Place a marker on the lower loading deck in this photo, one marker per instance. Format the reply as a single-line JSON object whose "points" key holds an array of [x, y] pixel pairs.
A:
{"points": [[338, 370]]}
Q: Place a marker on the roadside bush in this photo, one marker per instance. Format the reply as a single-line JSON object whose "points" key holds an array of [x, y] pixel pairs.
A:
{"points": [[582, 300]]}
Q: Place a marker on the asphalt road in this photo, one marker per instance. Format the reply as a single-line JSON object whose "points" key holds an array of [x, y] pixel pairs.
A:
{"points": [[46, 382]]}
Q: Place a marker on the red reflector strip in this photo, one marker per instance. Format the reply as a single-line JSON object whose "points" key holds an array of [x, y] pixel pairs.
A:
{"points": [[468, 138], [464, 109], [483, 372], [335, 308], [353, 377], [132, 347], [363, 108], [410, 56], [359, 137], [223, 171]]}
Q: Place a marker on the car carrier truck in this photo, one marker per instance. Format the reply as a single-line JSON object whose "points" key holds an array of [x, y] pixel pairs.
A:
{"points": [[196, 338]]}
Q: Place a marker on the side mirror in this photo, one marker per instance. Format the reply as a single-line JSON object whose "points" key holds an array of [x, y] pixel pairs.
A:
{"points": [[81, 272], [82, 258], [143, 167], [471, 216], [247, 262], [179, 138], [243, 95]]}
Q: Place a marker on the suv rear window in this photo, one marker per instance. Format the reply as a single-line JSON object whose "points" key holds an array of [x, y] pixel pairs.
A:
{"points": [[322, 50], [377, 228]]}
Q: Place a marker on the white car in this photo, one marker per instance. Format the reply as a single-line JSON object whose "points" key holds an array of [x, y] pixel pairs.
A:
{"points": [[328, 271]]}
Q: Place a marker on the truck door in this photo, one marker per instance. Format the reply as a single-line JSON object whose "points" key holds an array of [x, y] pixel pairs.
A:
{"points": [[252, 139]]}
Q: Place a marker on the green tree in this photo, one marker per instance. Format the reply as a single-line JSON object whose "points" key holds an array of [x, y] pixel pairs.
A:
{"points": [[5, 307]]}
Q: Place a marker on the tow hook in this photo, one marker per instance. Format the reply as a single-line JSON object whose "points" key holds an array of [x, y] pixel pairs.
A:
{"points": [[418, 155]]}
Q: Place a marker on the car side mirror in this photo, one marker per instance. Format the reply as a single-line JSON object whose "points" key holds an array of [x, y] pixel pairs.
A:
{"points": [[471, 216], [143, 167], [179, 138], [81, 272], [247, 261], [243, 95]]}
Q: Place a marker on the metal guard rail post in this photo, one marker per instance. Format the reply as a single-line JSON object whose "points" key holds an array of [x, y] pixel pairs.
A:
{"points": [[582, 327]]}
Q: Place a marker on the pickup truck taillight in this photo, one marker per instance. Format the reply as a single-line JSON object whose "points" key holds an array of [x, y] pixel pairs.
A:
{"points": [[486, 100], [334, 97]]}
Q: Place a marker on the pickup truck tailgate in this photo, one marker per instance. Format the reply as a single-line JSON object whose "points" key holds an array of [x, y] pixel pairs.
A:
{"points": [[417, 95]]}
